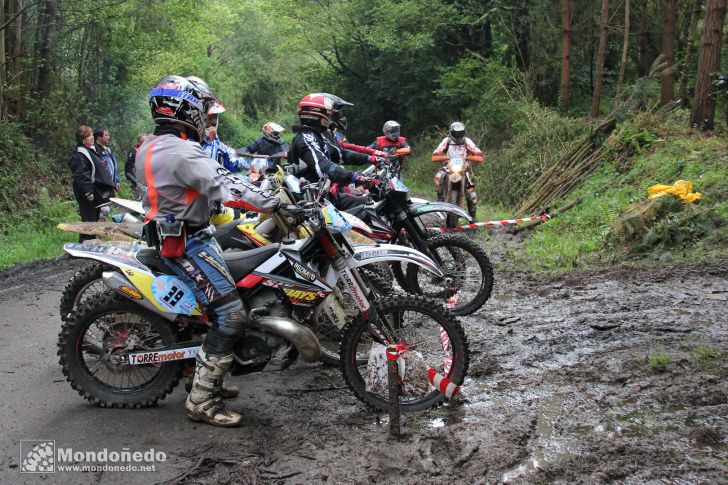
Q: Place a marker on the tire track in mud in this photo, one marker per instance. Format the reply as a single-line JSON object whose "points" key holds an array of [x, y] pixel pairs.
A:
{"points": [[589, 376]]}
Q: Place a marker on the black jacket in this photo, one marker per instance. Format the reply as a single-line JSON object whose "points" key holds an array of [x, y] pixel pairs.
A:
{"points": [[264, 146], [89, 176], [129, 168], [313, 158], [342, 156]]}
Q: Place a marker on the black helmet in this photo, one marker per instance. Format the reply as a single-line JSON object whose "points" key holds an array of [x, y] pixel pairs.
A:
{"points": [[175, 99], [457, 132]]}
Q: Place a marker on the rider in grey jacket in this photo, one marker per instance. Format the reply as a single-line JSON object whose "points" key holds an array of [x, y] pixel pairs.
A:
{"points": [[183, 186]]}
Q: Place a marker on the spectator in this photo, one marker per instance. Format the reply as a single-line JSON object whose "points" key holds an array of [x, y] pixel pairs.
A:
{"points": [[92, 182], [129, 169], [102, 138]]}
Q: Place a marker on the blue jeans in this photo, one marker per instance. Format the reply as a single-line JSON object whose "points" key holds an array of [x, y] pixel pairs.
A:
{"points": [[204, 270]]}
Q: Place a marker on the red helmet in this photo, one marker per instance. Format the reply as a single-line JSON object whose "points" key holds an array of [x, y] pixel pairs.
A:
{"points": [[315, 110]]}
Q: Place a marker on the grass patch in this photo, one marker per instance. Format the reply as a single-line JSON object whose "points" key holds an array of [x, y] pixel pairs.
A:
{"points": [[705, 357], [659, 361], [31, 234]]}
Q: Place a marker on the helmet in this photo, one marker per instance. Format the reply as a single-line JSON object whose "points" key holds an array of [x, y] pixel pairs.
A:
{"points": [[338, 120], [175, 99], [212, 119], [391, 130], [457, 132], [315, 110], [272, 131]]}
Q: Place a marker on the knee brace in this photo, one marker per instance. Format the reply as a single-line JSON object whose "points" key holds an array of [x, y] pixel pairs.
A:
{"points": [[229, 318]]}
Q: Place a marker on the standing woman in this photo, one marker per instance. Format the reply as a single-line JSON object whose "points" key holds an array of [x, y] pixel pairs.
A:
{"points": [[92, 182]]}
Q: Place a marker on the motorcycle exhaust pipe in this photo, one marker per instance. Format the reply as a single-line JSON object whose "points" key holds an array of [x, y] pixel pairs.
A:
{"points": [[299, 335]]}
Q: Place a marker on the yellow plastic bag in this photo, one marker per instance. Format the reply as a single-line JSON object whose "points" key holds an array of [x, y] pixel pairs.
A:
{"points": [[681, 188]]}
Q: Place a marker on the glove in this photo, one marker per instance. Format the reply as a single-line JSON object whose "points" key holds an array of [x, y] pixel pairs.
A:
{"points": [[366, 182], [377, 160], [290, 168], [293, 214], [381, 154]]}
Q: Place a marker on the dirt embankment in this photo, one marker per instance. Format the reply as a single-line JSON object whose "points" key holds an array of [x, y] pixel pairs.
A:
{"points": [[590, 376]]}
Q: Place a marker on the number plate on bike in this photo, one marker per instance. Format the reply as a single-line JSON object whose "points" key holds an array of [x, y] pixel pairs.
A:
{"points": [[173, 295]]}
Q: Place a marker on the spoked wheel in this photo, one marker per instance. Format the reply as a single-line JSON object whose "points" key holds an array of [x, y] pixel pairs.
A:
{"points": [[468, 275], [452, 219], [84, 284], [94, 337], [328, 334], [431, 338]]}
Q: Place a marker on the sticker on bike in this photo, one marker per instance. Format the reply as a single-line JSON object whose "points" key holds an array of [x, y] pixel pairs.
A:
{"points": [[173, 295]]}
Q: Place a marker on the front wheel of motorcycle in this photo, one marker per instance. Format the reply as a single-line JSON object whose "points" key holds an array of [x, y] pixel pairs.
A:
{"points": [[431, 339], [101, 329], [468, 274]]}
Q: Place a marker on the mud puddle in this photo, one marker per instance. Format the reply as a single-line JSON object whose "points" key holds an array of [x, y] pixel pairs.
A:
{"points": [[598, 376]]}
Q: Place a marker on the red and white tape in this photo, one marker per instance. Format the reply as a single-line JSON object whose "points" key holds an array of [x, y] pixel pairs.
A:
{"points": [[393, 353], [442, 384], [476, 225]]}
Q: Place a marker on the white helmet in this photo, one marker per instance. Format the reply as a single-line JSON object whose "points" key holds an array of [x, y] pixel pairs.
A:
{"points": [[272, 131], [391, 130], [457, 132]]}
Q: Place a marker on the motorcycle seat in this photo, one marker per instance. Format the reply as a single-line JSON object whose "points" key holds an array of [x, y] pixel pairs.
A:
{"points": [[242, 263], [229, 236], [152, 259]]}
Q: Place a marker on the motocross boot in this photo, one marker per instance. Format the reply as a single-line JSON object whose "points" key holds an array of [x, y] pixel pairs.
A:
{"points": [[229, 391], [204, 403]]}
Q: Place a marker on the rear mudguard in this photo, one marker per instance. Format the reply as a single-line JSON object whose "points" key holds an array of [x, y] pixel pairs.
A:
{"points": [[391, 252], [418, 209], [165, 295]]}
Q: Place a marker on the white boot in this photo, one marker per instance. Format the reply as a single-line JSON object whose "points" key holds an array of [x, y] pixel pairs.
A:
{"points": [[204, 403]]}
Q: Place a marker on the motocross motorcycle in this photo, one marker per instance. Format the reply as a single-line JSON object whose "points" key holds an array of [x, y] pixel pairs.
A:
{"points": [[127, 347], [456, 182], [467, 280], [259, 166]]}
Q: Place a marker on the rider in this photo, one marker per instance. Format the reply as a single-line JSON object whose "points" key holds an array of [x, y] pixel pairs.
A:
{"points": [[456, 144], [313, 155], [268, 144], [391, 142], [183, 187], [214, 147]]}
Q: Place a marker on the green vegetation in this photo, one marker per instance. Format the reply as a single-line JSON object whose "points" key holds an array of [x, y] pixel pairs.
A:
{"points": [[659, 361], [704, 357]]}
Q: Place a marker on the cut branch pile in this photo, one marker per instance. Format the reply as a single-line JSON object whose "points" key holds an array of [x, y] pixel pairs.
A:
{"points": [[572, 169]]}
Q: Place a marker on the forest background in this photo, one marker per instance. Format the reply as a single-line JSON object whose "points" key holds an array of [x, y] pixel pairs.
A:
{"points": [[533, 81]]}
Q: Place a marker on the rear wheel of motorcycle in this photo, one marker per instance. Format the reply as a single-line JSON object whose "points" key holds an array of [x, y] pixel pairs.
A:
{"points": [[433, 336], [85, 283], [102, 326], [452, 219], [464, 263], [330, 336]]}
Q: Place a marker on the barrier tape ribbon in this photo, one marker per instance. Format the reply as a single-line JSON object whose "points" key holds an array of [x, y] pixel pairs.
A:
{"points": [[476, 225]]}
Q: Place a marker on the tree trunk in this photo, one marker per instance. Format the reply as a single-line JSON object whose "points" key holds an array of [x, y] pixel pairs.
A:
{"points": [[565, 53], [82, 57], [600, 61], [17, 36], [643, 63], [667, 83], [703, 114], [44, 58], [2, 61], [687, 65], [625, 48]]}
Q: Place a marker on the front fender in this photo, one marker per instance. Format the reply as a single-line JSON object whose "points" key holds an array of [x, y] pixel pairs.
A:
{"points": [[430, 207], [391, 252]]}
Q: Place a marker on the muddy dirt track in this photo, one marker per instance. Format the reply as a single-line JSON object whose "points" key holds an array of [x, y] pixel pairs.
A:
{"points": [[588, 377]]}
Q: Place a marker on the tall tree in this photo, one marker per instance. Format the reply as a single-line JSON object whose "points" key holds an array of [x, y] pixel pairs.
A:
{"points": [[2, 60], [625, 47], [703, 114], [601, 56], [44, 54], [687, 64], [643, 38], [667, 83], [565, 53]]}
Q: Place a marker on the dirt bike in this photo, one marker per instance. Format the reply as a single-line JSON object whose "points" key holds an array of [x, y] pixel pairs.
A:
{"points": [[393, 218], [456, 182], [260, 166], [126, 347]]}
